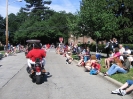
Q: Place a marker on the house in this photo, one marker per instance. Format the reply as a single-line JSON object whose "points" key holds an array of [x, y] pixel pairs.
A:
{"points": [[80, 40]]}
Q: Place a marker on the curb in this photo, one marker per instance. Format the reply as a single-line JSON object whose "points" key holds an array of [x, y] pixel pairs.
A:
{"points": [[117, 83]]}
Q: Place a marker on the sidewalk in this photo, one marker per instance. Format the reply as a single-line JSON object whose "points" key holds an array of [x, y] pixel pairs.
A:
{"points": [[10, 66]]}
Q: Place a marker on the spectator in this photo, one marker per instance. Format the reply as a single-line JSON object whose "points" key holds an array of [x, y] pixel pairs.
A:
{"points": [[14, 49], [88, 64], [125, 88], [110, 59], [109, 47], [110, 55], [119, 67], [81, 55], [121, 49], [95, 68], [115, 43], [6, 54], [69, 58], [127, 51], [79, 49], [87, 54], [9, 46], [5, 48]]}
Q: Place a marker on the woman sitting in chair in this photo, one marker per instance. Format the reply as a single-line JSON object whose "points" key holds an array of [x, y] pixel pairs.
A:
{"points": [[110, 59]]}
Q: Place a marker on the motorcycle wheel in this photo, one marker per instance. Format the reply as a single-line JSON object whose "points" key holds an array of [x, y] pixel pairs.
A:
{"points": [[28, 69], [38, 79]]}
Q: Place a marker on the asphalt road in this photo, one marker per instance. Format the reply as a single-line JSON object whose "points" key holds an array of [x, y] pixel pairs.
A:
{"points": [[64, 81]]}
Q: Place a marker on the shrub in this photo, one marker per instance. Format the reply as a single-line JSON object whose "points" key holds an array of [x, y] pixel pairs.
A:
{"points": [[1, 48], [129, 45]]}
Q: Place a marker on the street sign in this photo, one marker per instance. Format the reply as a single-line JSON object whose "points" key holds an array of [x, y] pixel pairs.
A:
{"points": [[61, 39]]}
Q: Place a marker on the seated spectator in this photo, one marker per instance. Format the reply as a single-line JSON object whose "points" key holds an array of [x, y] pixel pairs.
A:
{"points": [[110, 55], [110, 59], [121, 49], [57, 49], [69, 58], [87, 54], [125, 88], [6, 54], [98, 56], [81, 55], [127, 51], [88, 64], [95, 68], [61, 51], [119, 67], [74, 50]]}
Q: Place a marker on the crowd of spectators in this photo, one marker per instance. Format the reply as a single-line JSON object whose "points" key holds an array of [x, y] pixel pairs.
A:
{"points": [[12, 50], [119, 60], [84, 57]]}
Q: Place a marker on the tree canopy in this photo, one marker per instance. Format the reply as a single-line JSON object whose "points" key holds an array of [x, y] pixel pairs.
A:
{"points": [[102, 19]]}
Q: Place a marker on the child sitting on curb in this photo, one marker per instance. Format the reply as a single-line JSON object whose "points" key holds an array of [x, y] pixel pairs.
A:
{"points": [[69, 58], [88, 64], [95, 68]]}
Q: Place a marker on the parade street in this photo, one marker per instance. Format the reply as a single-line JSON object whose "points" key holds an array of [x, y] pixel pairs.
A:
{"points": [[62, 81]]}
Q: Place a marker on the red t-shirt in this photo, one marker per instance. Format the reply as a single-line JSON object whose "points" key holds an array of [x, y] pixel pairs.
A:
{"points": [[96, 66], [36, 53]]}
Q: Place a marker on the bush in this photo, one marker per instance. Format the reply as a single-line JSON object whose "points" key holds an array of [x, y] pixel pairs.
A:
{"points": [[1, 48], [100, 47], [129, 45]]}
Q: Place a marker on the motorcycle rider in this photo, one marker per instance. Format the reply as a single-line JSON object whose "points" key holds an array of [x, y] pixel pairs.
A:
{"points": [[35, 53]]}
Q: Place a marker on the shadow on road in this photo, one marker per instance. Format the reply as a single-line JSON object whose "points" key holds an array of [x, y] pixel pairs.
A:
{"points": [[47, 75]]}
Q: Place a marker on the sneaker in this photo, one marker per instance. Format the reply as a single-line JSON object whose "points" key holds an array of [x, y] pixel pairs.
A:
{"points": [[122, 92], [115, 91]]}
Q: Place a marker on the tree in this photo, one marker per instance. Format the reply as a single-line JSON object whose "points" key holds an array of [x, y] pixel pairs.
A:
{"points": [[98, 21], [2, 30]]}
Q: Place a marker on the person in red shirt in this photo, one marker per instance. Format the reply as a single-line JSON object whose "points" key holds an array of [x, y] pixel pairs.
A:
{"points": [[95, 68], [35, 53]]}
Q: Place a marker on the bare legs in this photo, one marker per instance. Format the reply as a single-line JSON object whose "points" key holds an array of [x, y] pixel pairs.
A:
{"points": [[107, 63]]}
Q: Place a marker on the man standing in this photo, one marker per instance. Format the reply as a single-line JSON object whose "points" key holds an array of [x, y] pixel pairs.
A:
{"points": [[109, 47]]}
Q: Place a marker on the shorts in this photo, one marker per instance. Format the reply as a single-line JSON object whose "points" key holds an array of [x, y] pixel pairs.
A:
{"points": [[130, 82]]}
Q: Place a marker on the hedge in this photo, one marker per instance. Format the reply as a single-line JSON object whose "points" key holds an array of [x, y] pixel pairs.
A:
{"points": [[1, 48], [100, 47]]}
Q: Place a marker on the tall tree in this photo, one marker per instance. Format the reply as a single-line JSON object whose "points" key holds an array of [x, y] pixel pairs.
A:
{"points": [[97, 20]]}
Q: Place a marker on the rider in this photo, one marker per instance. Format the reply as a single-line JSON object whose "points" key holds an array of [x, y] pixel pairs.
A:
{"points": [[35, 53]]}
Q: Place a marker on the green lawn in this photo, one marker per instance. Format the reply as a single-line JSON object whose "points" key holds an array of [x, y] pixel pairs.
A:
{"points": [[2, 52]]}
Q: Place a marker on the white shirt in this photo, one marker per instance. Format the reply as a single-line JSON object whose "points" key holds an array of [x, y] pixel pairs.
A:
{"points": [[122, 50], [128, 51]]}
